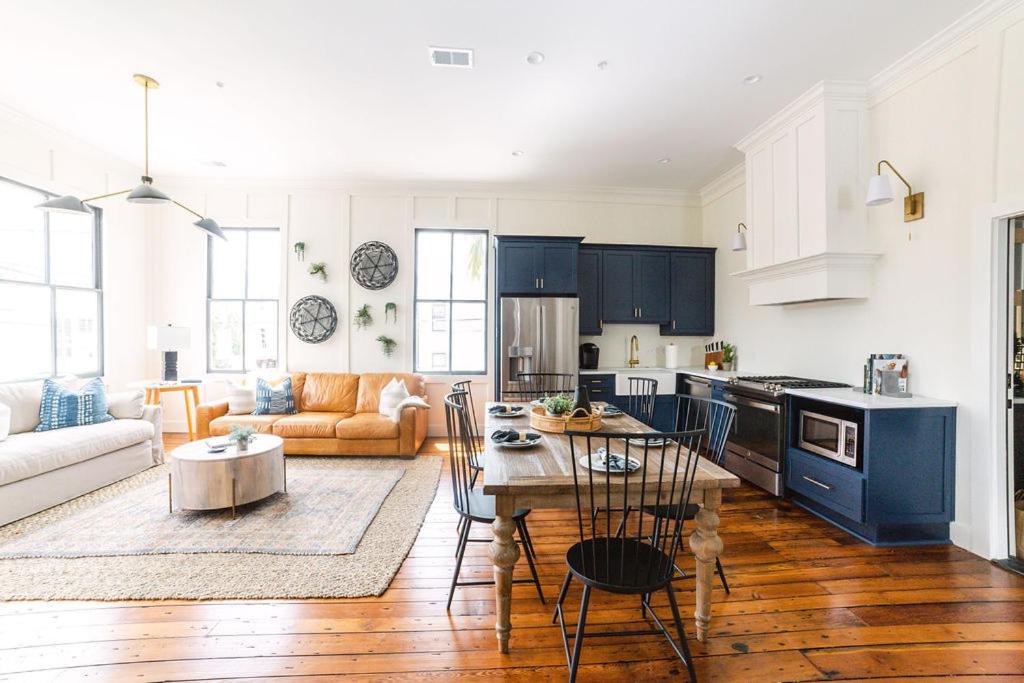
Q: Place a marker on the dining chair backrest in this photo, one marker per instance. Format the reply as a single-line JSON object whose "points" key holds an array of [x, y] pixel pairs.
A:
{"points": [[461, 448], [713, 416], [668, 464], [467, 387], [536, 385], [642, 393]]}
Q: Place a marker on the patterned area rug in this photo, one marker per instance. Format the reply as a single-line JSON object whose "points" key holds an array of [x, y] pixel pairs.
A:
{"points": [[342, 530]]}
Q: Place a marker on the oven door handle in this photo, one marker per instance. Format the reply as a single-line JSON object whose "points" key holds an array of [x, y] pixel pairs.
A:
{"points": [[760, 405]]}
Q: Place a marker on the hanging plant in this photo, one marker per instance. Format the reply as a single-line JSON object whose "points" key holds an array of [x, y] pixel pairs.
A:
{"points": [[387, 345], [363, 318], [392, 309], [319, 269], [300, 251]]}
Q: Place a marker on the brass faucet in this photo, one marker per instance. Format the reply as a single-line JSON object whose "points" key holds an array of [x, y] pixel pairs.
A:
{"points": [[634, 351]]}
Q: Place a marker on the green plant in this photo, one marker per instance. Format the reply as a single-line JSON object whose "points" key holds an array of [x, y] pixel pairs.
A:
{"points": [[363, 318], [239, 434], [558, 405], [300, 250], [728, 353], [387, 345], [319, 269], [392, 308]]}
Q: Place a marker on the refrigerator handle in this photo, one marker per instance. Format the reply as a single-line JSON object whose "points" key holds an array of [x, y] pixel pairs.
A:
{"points": [[541, 311]]}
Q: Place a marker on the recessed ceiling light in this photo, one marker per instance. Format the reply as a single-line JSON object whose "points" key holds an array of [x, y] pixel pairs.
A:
{"points": [[220, 84], [517, 153], [664, 160], [752, 79], [535, 58], [215, 163], [602, 65]]}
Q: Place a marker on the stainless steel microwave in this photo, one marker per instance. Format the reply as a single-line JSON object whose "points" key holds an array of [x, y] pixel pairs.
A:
{"points": [[829, 436]]}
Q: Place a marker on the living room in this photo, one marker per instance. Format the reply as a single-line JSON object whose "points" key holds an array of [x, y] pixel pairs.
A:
{"points": [[274, 298]]}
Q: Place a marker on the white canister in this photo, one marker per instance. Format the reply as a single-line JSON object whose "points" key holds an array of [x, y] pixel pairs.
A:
{"points": [[671, 355]]}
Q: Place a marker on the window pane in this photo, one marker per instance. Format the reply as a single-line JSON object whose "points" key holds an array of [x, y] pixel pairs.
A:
{"points": [[227, 267], [433, 264], [25, 331], [71, 249], [22, 255], [226, 335], [469, 338], [260, 334], [432, 325], [264, 264], [78, 332], [469, 264]]}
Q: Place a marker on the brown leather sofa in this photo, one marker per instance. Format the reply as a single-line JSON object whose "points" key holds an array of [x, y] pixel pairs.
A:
{"points": [[338, 415]]}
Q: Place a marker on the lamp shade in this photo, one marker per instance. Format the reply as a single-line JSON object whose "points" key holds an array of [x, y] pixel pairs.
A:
{"points": [[168, 338], [209, 226], [65, 204], [147, 194], [739, 241], [879, 191]]}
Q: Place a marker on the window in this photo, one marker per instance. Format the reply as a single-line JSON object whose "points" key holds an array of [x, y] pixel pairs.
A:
{"points": [[51, 303], [243, 284], [451, 301]]}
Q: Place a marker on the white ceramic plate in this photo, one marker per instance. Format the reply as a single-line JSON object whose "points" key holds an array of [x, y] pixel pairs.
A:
{"points": [[653, 443], [517, 411], [594, 462], [517, 444]]}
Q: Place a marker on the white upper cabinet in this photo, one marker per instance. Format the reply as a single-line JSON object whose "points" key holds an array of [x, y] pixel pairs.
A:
{"points": [[806, 170]]}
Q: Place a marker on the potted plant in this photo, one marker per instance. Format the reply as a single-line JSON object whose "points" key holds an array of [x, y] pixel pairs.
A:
{"points": [[363, 318], [300, 251], [728, 356], [319, 269], [557, 406], [392, 309], [387, 345], [241, 437]]}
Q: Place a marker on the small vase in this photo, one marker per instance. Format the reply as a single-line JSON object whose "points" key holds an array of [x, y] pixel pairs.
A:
{"points": [[727, 365], [581, 401], [242, 445]]}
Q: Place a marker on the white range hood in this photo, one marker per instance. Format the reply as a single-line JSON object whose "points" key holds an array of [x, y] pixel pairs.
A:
{"points": [[806, 173]]}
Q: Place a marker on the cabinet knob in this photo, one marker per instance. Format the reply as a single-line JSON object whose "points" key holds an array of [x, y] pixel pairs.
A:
{"points": [[673, 324], [542, 283]]}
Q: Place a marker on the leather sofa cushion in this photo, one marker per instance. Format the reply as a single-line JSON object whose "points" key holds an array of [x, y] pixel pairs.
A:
{"points": [[330, 392], [309, 425], [367, 426], [263, 424], [371, 384]]}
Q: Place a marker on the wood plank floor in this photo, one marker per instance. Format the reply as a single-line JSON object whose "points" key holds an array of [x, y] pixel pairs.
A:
{"points": [[809, 602]]}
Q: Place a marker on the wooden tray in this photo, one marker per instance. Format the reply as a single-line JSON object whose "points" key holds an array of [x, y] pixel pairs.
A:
{"points": [[539, 419]]}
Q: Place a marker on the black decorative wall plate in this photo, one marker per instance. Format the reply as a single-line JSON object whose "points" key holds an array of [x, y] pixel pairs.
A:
{"points": [[313, 319], [374, 265]]}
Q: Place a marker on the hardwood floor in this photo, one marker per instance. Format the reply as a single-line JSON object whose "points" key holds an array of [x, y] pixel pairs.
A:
{"points": [[809, 602]]}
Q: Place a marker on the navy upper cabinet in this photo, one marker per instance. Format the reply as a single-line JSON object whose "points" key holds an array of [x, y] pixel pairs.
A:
{"points": [[634, 286], [651, 283], [537, 265], [691, 293], [590, 290], [617, 274]]}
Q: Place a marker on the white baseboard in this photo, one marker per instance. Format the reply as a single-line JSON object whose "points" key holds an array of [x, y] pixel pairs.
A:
{"points": [[960, 535]]}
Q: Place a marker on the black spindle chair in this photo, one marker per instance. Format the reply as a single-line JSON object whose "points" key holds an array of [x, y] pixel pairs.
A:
{"points": [[536, 385], [642, 394], [632, 564], [470, 503], [476, 462]]}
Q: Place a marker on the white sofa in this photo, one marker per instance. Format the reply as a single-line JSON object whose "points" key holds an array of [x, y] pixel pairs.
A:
{"points": [[41, 469]]}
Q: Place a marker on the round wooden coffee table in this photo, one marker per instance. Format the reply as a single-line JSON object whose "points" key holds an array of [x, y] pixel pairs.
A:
{"points": [[200, 480]]}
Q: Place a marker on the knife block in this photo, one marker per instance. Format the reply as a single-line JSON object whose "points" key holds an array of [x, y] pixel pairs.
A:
{"points": [[715, 356]]}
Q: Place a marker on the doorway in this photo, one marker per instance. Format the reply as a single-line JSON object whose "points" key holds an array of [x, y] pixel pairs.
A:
{"points": [[1015, 391]]}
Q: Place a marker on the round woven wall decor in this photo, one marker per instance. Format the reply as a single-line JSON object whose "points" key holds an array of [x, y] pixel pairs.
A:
{"points": [[374, 265], [313, 319]]}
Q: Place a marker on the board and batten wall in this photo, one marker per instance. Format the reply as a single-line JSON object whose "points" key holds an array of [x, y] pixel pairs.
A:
{"points": [[954, 126], [334, 219]]}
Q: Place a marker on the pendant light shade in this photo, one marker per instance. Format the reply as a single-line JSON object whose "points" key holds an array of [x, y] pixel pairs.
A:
{"points": [[147, 194], [739, 239], [879, 190], [209, 226], [65, 204]]}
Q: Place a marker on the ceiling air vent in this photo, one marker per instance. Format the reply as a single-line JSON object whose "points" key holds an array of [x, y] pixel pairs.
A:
{"points": [[452, 56]]}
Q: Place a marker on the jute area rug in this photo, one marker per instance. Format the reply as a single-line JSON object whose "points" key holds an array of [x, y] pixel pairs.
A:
{"points": [[343, 530]]}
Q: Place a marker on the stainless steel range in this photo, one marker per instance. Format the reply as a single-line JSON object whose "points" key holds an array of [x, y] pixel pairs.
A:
{"points": [[756, 447]]}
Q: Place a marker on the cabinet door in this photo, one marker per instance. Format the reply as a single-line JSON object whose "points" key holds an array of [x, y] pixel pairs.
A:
{"points": [[558, 268], [517, 264], [589, 279], [692, 294], [617, 287], [651, 277]]}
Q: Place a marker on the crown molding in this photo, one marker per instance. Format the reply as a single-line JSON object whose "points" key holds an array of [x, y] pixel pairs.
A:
{"points": [[718, 187]]}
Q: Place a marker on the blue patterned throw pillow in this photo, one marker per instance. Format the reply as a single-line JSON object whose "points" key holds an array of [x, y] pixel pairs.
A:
{"points": [[61, 407], [274, 400]]}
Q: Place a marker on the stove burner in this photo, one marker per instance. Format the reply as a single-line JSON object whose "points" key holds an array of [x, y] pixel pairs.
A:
{"points": [[777, 384]]}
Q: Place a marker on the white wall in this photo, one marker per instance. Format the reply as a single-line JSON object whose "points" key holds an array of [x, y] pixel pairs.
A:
{"points": [[954, 126]]}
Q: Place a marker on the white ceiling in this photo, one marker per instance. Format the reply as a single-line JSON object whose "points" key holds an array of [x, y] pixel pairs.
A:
{"points": [[324, 89]]}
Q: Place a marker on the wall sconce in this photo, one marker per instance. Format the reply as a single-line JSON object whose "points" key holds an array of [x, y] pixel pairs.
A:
{"points": [[739, 240], [880, 192]]}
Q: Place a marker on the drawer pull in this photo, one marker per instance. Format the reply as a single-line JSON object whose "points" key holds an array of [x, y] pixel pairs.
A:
{"points": [[827, 487], [596, 391]]}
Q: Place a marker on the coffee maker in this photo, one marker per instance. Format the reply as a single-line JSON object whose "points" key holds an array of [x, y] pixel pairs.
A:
{"points": [[589, 355]]}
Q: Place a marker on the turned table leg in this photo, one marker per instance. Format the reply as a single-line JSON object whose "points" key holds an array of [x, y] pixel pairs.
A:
{"points": [[707, 546], [504, 552]]}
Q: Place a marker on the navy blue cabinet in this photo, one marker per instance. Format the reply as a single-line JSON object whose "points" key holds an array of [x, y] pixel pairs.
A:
{"points": [[634, 285], [537, 265], [651, 286], [617, 272], [691, 293], [589, 278]]}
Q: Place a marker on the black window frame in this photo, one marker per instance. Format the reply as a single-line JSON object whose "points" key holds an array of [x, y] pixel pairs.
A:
{"points": [[97, 288], [210, 299]]}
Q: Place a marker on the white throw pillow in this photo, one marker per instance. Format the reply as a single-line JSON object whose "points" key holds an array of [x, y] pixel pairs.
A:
{"points": [[5, 421], [126, 405], [414, 401], [23, 398], [393, 393], [241, 399]]}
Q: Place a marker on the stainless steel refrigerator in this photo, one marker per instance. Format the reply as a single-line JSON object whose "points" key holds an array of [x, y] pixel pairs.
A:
{"points": [[537, 334]]}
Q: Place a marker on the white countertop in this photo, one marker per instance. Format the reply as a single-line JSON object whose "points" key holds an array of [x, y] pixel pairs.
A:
{"points": [[856, 398], [689, 370]]}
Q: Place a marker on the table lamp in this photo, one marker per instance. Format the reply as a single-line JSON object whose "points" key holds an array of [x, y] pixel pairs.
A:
{"points": [[169, 340]]}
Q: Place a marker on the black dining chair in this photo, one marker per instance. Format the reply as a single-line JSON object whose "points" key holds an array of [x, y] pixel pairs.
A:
{"points": [[535, 385], [639, 563], [471, 504], [643, 391], [476, 462]]}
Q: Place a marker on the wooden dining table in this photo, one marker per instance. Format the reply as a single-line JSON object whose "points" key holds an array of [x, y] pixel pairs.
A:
{"points": [[541, 476]]}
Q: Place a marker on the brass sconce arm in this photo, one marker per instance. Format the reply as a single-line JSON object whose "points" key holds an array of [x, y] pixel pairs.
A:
{"points": [[899, 175]]}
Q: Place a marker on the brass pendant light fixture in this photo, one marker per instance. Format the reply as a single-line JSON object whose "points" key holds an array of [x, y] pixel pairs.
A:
{"points": [[144, 193]]}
